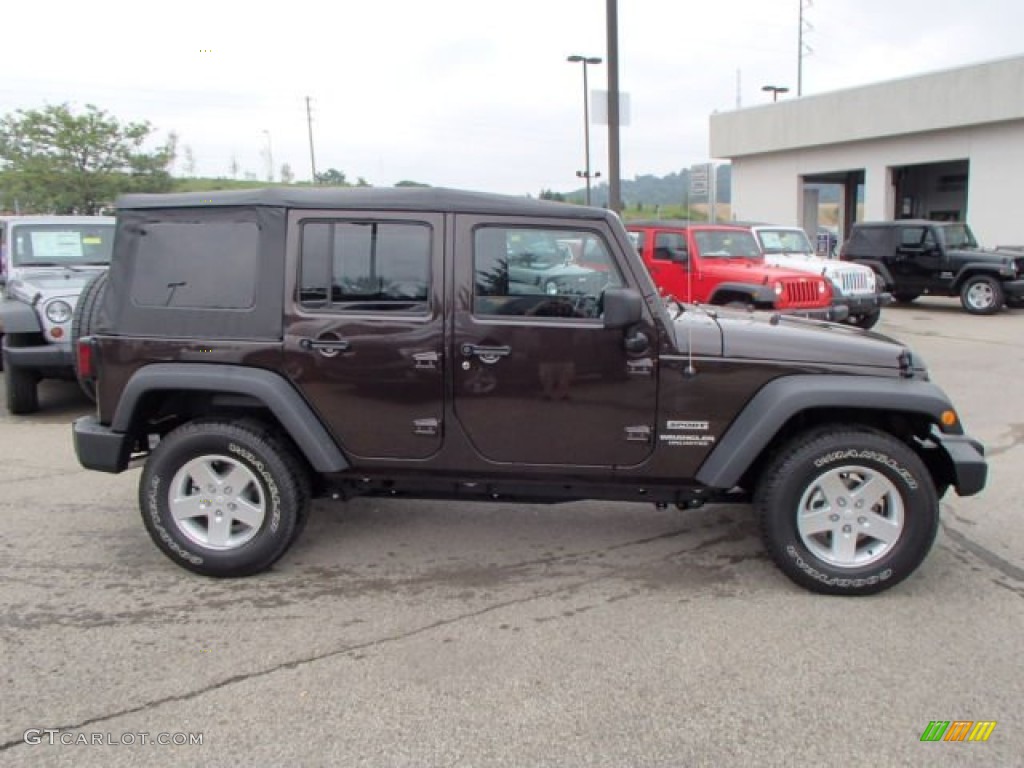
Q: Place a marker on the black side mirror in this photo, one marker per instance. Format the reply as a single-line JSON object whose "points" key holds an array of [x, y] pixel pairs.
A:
{"points": [[679, 255], [622, 307]]}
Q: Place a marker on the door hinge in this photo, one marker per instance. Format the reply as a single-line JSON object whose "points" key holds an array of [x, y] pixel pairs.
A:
{"points": [[428, 427], [640, 434]]}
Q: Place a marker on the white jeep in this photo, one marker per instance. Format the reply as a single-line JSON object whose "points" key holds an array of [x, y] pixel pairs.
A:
{"points": [[45, 262], [854, 285]]}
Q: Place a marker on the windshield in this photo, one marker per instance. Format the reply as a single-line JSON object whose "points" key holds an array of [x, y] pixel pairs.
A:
{"points": [[726, 244], [57, 245], [784, 241], [958, 236]]}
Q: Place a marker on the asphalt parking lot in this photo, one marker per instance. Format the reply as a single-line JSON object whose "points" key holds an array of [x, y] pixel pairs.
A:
{"points": [[401, 633]]}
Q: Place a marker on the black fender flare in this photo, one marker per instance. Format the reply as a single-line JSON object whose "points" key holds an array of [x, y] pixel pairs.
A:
{"points": [[758, 293], [268, 388], [18, 317], [974, 268], [781, 399]]}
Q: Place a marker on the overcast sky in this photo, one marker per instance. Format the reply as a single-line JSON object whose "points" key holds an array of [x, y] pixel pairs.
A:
{"points": [[464, 93]]}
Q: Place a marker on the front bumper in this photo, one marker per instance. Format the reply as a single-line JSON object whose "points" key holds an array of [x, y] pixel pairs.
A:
{"points": [[1013, 288], [39, 357], [833, 314], [99, 447], [863, 305], [967, 458]]}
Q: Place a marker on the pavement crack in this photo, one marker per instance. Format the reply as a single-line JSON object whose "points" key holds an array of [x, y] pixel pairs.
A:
{"points": [[307, 660], [988, 557]]}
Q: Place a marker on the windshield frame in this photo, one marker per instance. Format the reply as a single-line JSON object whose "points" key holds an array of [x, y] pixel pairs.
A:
{"points": [[26, 237]]}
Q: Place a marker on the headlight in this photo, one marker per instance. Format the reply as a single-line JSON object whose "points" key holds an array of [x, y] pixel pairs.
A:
{"points": [[821, 286], [58, 312], [778, 289]]}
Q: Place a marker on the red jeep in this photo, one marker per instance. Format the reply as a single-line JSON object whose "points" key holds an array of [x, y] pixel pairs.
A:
{"points": [[722, 264]]}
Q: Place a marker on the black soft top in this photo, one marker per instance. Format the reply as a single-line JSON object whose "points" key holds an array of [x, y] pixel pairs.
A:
{"points": [[366, 198]]}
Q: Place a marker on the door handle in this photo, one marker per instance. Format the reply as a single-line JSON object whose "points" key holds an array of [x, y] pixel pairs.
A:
{"points": [[486, 354], [326, 347]]}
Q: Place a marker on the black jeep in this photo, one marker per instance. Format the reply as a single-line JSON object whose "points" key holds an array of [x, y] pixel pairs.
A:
{"points": [[915, 257], [256, 349]]}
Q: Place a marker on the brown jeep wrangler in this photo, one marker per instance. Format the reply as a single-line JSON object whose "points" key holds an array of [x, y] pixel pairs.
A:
{"points": [[258, 348]]}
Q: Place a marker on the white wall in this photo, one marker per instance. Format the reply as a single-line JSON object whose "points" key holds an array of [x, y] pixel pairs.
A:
{"points": [[766, 187]]}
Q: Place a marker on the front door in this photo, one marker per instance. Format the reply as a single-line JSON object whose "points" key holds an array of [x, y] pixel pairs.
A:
{"points": [[364, 337], [537, 379]]}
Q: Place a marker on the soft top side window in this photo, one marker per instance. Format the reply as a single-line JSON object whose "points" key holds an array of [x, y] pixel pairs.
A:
{"points": [[365, 266]]}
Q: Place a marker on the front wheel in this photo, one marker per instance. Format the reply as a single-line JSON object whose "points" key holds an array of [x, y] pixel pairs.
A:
{"points": [[982, 295], [22, 392], [223, 499], [868, 321], [847, 511]]}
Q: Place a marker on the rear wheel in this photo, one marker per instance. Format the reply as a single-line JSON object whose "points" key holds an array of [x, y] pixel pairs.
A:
{"points": [[83, 323], [847, 510], [982, 295], [223, 499]]}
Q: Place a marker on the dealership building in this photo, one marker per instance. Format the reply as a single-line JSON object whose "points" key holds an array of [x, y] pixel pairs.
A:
{"points": [[946, 145]]}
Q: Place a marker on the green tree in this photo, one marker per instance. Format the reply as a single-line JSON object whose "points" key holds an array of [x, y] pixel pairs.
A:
{"points": [[52, 159], [287, 175], [408, 183], [332, 177]]}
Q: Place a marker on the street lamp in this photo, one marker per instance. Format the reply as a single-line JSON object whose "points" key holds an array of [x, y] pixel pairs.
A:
{"points": [[270, 156], [585, 173], [775, 90]]}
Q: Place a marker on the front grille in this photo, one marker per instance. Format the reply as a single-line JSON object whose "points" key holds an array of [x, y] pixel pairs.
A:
{"points": [[855, 281], [801, 293]]}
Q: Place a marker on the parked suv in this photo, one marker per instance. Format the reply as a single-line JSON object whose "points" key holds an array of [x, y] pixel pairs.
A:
{"points": [[915, 257], [254, 349], [854, 286], [46, 262], [723, 264]]}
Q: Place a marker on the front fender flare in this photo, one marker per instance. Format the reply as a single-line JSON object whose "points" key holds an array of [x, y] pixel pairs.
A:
{"points": [[270, 389], [781, 399], [18, 317], [760, 294]]}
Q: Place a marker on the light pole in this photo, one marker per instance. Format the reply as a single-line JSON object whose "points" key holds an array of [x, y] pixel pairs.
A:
{"points": [[585, 173], [270, 157], [775, 90]]}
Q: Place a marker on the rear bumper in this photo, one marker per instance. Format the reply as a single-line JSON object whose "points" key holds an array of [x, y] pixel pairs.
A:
{"points": [[99, 447], [967, 457]]}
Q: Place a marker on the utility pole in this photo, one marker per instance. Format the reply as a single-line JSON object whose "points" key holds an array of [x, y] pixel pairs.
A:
{"points": [[614, 193], [309, 122], [802, 49]]}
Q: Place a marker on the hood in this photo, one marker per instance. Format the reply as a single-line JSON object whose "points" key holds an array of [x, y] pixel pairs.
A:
{"points": [[785, 339], [985, 255], [51, 282]]}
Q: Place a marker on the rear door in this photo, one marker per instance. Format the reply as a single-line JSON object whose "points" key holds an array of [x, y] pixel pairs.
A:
{"points": [[537, 379], [364, 334]]}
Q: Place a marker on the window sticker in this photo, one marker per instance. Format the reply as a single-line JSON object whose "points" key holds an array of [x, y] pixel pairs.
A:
{"points": [[56, 245]]}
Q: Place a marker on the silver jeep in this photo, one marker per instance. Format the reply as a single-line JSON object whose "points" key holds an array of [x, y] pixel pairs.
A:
{"points": [[45, 262]]}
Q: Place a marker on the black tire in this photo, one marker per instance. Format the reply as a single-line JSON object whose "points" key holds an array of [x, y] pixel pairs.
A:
{"points": [[83, 323], [273, 492], [868, 321], [982, 295], [905, 297], [22, 392], [890, 538]]}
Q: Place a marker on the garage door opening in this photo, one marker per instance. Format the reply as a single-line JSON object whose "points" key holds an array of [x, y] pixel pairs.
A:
{"points": [[936, 191]]}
